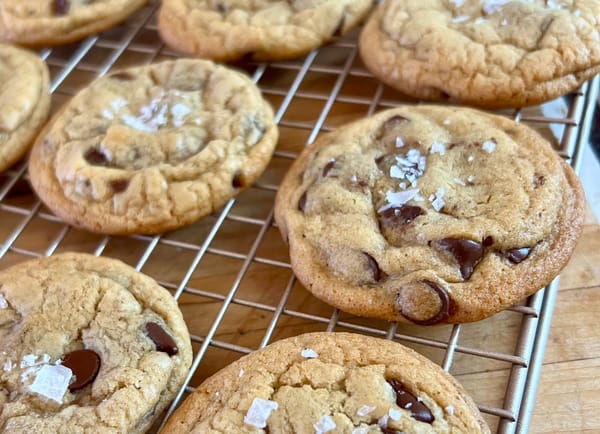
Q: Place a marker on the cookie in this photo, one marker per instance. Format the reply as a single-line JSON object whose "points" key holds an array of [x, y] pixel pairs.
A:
{"points": [[54, 22], [429, 215], [25, 101], [485, 53], [226, 30], [87, 343], [153, 148], [329, 382]]}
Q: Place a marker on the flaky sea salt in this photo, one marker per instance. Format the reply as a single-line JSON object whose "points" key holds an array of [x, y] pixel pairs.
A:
{"points": [[52, 381], [399, 142], [459, 181], [325, 424], [3, 302], [438, 201], [461, 19], [577, 13], [489, 146], [504, 22], [395, 414], [479, 20], [470, 158], [450, 410], [470, 179], [360, 430], [364, 410], [447, 122], [308, 353], [399, 198], [457, 3], [492, 6], [179, 112], [8, 366], [438, 148], [259, 412], [241, 373], [383, 421]]}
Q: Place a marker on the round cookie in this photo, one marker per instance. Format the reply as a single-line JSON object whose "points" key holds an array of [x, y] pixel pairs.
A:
{"points": [[87, 344], [226, 30], [486, 53], [429, 215], [153, 148], [329, 382], [25, 101], [54, 22]]}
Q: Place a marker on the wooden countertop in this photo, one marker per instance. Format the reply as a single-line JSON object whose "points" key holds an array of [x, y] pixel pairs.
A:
{"points": [[568, 397]]}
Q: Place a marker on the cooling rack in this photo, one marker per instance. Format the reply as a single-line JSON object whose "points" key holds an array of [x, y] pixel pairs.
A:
{"points": [[230, 271]]}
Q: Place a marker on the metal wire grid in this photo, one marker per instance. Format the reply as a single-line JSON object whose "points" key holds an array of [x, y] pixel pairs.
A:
{"points": [[28, 229]]}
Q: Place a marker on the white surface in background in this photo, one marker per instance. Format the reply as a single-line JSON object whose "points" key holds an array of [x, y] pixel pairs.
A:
{"points": [[590, 178]]}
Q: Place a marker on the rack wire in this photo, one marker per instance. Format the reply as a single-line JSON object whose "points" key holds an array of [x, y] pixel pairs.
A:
{"points": [[230, 271]]}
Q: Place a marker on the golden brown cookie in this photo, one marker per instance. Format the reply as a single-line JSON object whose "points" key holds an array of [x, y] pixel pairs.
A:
{"points": [[55, 22], [226, 30], [24, 99], [87, 344], [429, 215], [329, 382], [493, 53], [153, 148]]}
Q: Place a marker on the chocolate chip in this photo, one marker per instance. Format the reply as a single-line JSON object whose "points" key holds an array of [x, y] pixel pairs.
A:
{"points": [[386, 430], [517, 256], [123, 76], [163, 341], [393, 122], [445, 306], [302, 202], [397, 216], [328, 167], [60, 7], [119, 185], [220, 7], [468, 253], [85, 365], [407, 401], [377, 274], [237, 180], [538, 180], [95, 157]]}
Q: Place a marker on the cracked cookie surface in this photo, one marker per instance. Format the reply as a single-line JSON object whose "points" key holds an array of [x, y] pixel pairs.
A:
{"points": [[329, 382], [25, 101], [493, 53], [55, 22], [429, 215], [153, 148], [87, 344], [226, 30]]}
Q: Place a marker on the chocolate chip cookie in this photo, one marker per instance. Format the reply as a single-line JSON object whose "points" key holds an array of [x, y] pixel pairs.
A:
{"points": [[493, 53], [87, 344], [153, 148], [55, 22], [25, 101], [330, 382], [429, 215], [226, 30]]}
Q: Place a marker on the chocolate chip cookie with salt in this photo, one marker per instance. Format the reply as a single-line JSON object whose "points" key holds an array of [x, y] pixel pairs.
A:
{"points": [[429, 215], [87, 344], [329, 382], [153, 148], [488, 53], [54, 22], [226, 30], [24, 101]]}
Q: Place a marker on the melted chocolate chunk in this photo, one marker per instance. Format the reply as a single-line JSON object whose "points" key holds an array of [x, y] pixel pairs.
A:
{"points": [[220, 7], [302, 202], [60, 7], [407, 401], [445, 306], [377, 274], [119, 185], [393, 122], [123, 76], [164, 342], [237, 181], [386, 430], [517, 256], [397, 216], [468, 253], [328, 167], [85, 365], [95, 157]]}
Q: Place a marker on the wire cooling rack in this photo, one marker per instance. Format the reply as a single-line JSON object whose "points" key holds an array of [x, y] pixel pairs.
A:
{"points": [[230, 271]]}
